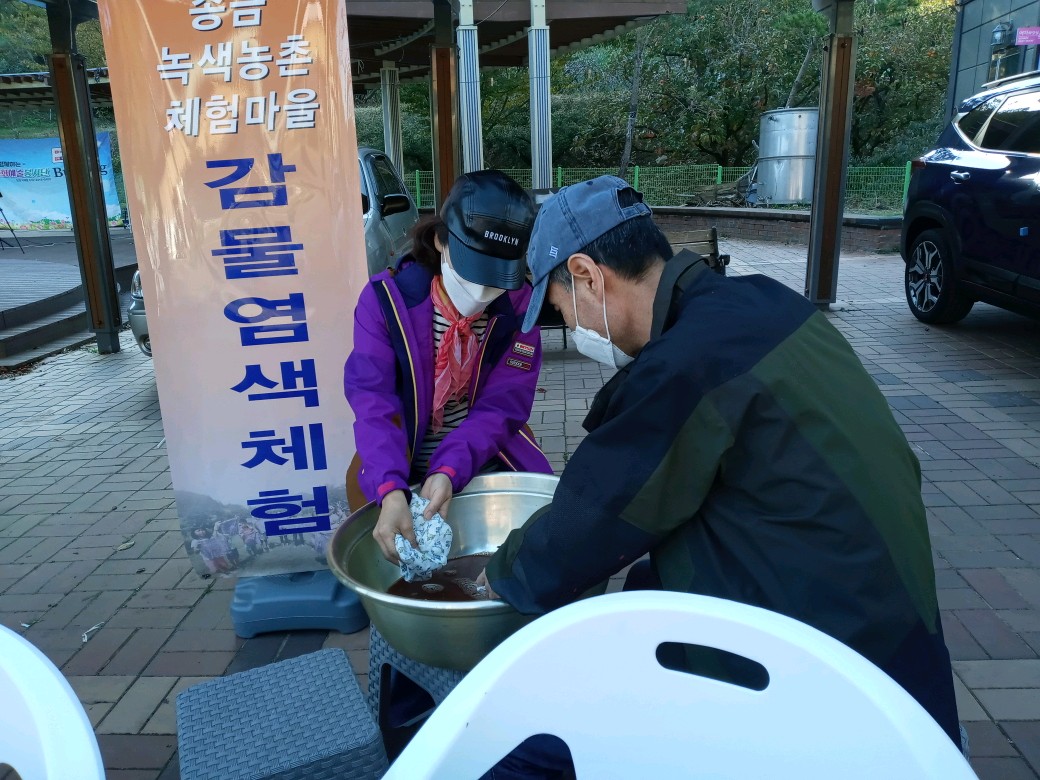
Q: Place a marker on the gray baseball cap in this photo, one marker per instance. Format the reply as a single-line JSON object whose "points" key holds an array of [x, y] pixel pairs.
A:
{"points": [[567, 222]]}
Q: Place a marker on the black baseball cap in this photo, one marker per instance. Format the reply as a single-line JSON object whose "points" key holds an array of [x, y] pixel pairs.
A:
{"points": [[489, 218]]}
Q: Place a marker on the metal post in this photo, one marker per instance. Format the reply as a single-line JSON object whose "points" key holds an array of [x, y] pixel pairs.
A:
{"points": [[541, 111], [390, 87], [832, 154], [635, 178], [83, 178], [418, 191], [906, 179], [469, 90], [443, 103]]}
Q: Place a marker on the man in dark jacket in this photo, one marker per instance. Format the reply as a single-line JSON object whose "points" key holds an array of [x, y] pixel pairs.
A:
{"points": [[742, 444]]}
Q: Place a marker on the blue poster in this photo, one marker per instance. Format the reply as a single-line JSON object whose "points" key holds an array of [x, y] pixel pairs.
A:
{"points": [[33, 193]]}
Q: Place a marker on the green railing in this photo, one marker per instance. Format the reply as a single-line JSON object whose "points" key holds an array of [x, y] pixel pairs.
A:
{"points": [[867, 189], [876, 189]]}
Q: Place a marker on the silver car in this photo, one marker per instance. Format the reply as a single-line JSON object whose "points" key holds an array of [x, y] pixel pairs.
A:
{"points": [[388, 213]]}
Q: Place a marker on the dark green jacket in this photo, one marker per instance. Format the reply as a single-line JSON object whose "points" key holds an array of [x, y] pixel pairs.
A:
{"points": [[749, 452]]}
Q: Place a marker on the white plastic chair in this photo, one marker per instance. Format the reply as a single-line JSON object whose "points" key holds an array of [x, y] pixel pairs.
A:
{"points": [[588, 674], [45, 733]]}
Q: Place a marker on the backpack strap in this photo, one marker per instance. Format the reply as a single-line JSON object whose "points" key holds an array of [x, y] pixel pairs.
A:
{"points": [[679, 272]]}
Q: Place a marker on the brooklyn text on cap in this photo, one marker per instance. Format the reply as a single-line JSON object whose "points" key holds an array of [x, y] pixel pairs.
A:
{"points": [[568, 221], [489, 218]]}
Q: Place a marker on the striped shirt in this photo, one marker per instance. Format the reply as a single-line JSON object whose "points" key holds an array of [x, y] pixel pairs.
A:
{"points": [[455, 410]]}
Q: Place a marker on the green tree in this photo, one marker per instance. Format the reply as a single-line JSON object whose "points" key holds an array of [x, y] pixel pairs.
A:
{"points": [[590, 107], [25, 42], [24, 38], [902, 71], [89, 43], [710, 74], [506, 118]]}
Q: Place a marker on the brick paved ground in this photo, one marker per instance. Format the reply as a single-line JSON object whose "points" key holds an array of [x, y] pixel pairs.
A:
{"points": [[83, 470]]}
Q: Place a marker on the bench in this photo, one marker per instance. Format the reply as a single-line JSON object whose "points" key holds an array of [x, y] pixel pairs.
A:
{"points": [[703, 242]]}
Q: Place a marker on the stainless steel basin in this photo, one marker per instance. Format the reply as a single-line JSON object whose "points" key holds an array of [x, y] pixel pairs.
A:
{"points": [[455, 635]]}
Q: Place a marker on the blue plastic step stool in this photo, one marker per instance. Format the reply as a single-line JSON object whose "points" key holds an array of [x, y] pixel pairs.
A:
{"points": [[293, 602], [300, 719]]}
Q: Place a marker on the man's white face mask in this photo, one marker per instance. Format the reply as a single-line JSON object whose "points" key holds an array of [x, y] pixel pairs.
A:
{"points": [[590, 343], [469, 298]]}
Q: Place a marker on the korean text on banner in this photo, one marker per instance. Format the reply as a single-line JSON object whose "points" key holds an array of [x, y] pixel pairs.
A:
{"points": [[32, 183], [236, 124]]}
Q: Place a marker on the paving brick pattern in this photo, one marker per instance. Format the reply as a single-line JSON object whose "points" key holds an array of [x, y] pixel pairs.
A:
{"points": [[83, 470]]}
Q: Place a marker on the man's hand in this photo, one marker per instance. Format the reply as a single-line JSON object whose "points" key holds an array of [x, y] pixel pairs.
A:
{"points": [[437, 489], [395, 517], [482, 582]]}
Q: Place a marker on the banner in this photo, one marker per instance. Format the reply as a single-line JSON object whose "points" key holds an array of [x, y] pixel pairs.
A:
{"points": [[236, 123], [33, 193]]}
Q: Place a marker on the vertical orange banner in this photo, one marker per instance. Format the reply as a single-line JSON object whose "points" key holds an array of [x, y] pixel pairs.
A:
{"points": [[236, 128]]}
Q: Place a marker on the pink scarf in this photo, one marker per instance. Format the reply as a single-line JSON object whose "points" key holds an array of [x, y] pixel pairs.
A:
{"points": [[453, 364]]}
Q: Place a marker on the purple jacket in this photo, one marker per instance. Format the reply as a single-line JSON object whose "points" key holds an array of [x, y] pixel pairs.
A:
{"points": [[388, 381]]}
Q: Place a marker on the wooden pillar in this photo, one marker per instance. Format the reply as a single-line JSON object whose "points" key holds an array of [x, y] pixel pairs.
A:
{"points": [[444, 103], [83, 178]]}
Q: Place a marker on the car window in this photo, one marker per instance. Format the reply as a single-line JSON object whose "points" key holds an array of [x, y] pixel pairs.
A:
{"points": [[1016, 125], [366, 202], [972, 122], [386, 181]]}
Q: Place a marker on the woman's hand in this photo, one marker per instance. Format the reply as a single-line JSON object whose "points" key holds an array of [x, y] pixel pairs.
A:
{"points": [[395, 517], [437, 490]]}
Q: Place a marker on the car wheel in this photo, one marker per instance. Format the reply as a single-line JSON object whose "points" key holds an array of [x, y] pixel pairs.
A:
{"points": [[930, 281]]}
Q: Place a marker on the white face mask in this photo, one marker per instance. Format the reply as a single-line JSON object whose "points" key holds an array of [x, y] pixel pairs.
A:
{"points": [[593, 345], [468, 298]]}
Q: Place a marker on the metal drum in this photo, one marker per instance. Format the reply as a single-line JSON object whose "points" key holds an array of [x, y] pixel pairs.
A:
{"points": [[455, 635], [787, 155]]}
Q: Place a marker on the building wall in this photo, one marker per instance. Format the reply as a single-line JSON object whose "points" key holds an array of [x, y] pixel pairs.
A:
{"points": [[978, 20]]}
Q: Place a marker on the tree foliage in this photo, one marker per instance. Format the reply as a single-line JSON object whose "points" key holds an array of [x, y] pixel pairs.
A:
{"points": [[711, 74], [25, 47], [25, 40], [902, 71]]}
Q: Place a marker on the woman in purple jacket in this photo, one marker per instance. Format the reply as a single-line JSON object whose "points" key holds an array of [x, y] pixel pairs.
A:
{"points": [[441, 380]]}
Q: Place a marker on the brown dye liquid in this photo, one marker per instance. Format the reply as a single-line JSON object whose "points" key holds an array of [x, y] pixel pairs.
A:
{"points": [[455, 582]]}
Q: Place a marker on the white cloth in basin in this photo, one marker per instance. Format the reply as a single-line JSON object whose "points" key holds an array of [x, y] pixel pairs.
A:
{"points": [[434, 538]]}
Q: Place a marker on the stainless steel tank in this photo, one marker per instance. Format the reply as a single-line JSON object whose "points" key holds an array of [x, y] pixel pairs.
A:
{"points": [[787, 155], [448, 634]]}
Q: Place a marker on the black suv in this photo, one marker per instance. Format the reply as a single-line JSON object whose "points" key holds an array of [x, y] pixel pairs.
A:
{"points": [[971, 226]]}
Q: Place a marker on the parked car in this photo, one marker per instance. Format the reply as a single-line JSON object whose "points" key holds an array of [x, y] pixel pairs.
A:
{"points": [[971, 224], [388, 213]]}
